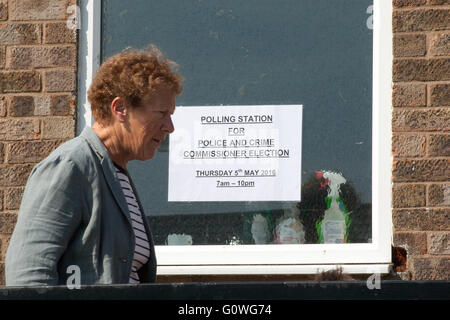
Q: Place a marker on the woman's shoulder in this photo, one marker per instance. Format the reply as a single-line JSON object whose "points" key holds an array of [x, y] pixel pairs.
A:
{"points": [[75, 152]]}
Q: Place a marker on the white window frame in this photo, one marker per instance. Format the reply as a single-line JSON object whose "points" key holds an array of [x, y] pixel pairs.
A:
{"points": [[374, 257]]}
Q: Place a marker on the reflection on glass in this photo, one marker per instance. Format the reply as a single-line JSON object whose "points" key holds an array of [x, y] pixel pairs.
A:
{"points": [[329, 212], [317, 53]]}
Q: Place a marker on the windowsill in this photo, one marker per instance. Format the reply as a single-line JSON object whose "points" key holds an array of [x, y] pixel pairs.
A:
{"points": [[312, 269]]}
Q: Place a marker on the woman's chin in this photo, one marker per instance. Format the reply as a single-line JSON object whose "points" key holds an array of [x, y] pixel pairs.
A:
{"points": [[148, 152], [147, 156]]}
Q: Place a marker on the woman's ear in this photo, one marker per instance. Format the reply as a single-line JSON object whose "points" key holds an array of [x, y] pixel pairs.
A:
{"points": [[119, 109]]}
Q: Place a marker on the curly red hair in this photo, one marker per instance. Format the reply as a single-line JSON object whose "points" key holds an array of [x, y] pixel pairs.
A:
{"points": [[131, 75]]}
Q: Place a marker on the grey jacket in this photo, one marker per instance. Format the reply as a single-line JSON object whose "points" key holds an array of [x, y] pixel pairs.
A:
{"points": [[74, 213]]}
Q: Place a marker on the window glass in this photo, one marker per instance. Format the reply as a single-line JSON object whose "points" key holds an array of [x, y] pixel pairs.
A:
{"points": [[317, 53]]}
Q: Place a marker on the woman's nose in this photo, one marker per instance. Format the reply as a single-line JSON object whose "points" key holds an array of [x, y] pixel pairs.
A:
{"points": [[168, 125]]}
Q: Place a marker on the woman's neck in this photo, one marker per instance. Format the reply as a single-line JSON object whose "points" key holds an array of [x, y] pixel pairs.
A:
{"points": [[110, 137]]}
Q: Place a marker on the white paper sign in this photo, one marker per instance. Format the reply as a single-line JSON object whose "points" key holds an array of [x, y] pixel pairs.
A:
{"points": [[236, 153]]}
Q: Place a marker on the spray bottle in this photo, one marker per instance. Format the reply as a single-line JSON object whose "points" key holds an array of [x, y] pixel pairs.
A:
{"points": [[258, 228], [334, 226], [289, 229]]}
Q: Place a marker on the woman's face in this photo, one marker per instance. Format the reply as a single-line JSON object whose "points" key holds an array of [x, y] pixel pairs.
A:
{"points": [[150, 122]]}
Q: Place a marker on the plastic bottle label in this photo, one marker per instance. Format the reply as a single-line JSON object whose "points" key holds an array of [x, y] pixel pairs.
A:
{"points": [[333, 231]]}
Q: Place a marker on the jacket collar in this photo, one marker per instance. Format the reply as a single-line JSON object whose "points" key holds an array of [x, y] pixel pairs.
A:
{"points": [[108, 168], [94, 141]]}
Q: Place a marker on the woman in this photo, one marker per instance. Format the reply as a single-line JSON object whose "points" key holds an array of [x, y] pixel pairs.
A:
{"points": [[80, 210]]}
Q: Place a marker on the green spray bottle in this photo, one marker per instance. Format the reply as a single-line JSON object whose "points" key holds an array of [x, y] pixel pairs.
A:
{"points": [[334, 226]]}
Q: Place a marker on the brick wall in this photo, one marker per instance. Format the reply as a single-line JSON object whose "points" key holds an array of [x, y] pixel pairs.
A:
{"points": [[37, 110], [38, 58], [421, 143]]}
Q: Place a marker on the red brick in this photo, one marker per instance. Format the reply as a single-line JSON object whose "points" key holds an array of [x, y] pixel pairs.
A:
{"points": [[39, 9], [2, 57], [18, 129], [42, 57], [20, 33], [440, 44], [31, 151], [438, 2], [3, 106], [62, 105], [410, 45], [13, 198], [58, 32], [31, 105], [14, 175], [409, 95], [439, 195], [42, 105], [420, 20], [421, 69], [408, 195], [20, 81], [421, 170], [425, 219], [430, 268], [21, 106], [4, 243], [439, 243], [58, 105], [3, 10], [421, 120], [408, 145], [60, 80], [440, 95], [7, 222], [2, 273], [58, 128], [415, 243], [408, 3], [439, 145]]}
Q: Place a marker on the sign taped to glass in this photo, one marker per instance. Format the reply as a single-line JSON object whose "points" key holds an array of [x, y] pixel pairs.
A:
{"points": [[236, 153]]}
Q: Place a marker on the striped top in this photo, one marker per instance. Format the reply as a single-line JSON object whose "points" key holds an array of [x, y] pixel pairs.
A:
{"points": [[142, 248]]}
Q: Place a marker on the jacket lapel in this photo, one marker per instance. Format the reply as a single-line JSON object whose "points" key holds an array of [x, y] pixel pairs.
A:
{"points": [[108, 169]]}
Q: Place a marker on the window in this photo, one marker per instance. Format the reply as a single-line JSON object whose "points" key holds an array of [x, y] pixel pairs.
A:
{"points": [[325, 55]]}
